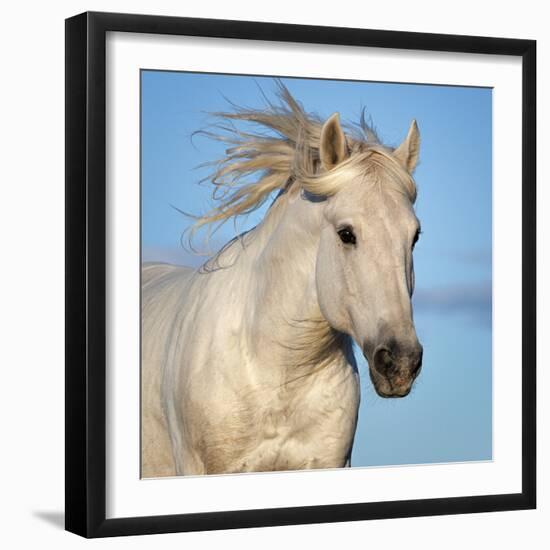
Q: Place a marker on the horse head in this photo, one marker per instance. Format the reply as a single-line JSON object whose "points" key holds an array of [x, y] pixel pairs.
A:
{"points": [[364, 268]]}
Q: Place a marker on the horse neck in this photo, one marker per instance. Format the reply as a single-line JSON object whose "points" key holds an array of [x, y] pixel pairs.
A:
{"points": [[284, 307]]}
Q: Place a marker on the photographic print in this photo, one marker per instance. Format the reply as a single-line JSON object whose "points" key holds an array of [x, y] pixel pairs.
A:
{"points": [[316, 284], [294, 293]]}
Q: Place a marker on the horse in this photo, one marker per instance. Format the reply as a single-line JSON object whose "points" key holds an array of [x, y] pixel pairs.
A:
{"points": [[247, 361]]}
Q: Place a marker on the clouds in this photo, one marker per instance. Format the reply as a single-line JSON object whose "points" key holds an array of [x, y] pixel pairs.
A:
{"points": [[480, 257], [475, 300]]}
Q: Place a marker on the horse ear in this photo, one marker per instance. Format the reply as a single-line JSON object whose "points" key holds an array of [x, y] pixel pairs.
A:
{"points": [[407, 152], [333, 148]]}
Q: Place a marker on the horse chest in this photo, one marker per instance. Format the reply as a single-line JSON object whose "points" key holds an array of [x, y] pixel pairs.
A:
{"points": [[310, 427], [315, 433]]}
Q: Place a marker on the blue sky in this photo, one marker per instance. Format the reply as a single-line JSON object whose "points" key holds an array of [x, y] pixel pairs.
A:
{"points": [[448, 416]]}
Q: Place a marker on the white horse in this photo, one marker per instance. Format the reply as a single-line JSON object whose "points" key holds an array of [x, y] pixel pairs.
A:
{"points": [[247, 362]]}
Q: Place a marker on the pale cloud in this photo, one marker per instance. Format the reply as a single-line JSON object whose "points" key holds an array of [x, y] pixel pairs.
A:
{"points": [[475, 299]]}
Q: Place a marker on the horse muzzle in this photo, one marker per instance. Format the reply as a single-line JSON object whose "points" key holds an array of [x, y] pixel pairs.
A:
{"points": [[393, 368]]}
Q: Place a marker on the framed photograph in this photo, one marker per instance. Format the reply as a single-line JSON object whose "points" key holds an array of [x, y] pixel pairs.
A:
{"points": [[300, 274]]}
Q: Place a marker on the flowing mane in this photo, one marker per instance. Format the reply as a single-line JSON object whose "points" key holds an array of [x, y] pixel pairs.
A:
{"points": [[285, 152]]}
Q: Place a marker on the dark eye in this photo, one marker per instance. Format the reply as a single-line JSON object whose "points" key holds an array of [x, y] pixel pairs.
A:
{"points": [[346, 235], [416, 237]]}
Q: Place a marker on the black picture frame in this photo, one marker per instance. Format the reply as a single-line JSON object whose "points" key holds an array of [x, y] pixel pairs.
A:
{"points": [[86, 274]]}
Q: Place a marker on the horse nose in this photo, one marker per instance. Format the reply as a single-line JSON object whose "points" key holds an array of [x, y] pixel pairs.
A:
{"points": [[390, 357]]}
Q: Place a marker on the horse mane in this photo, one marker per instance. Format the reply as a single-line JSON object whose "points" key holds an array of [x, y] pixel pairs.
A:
{"points": [[284, 151]]}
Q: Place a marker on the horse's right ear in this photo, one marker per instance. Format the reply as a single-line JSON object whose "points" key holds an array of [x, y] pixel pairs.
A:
{"points": [[333, 148]]}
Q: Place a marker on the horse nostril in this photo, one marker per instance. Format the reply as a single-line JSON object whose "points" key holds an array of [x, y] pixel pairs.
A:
{"points": [[417, 364], [383, 360]]}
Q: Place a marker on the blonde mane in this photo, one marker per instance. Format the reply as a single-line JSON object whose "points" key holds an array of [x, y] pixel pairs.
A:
{"points": [[286, 153]]}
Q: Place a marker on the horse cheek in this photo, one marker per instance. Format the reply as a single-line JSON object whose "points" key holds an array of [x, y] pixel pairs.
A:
{"points": [[329, 291]]}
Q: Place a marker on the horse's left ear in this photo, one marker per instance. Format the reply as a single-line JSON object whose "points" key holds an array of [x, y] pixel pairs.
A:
{"points": [[407, 152], [333, 148]]}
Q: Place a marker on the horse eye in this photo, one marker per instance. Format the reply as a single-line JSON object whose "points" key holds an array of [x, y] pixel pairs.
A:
{"points": [[416, 237], [347, 236]]}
